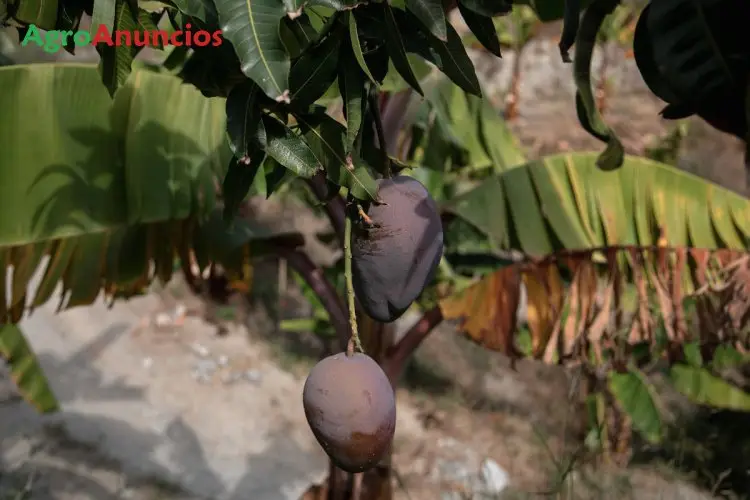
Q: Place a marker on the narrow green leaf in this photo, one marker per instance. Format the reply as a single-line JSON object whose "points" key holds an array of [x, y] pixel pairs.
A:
{"points": [[357, 48], [287, 148], [203, 10], [243, 118], [238, 181], [450, 57], [570, 27], [396, 49], [276, 176], [253, 29], [588, 114], [327, 138], [352, 88], [116, 59], [297, 34], [314, 72], [431, 14], [41, 13], [25, 369], [488, 8], [483, 28], [704, 388], [104, 15], [259, 186], [636, 397]]}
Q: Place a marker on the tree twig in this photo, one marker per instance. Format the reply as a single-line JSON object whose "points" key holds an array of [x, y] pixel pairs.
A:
{"points": [[354, 343], [313, 275], [397, 355]]}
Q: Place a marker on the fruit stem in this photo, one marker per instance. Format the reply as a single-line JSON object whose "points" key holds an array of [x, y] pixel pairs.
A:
{"points": [[375, 106], [354, 341]]}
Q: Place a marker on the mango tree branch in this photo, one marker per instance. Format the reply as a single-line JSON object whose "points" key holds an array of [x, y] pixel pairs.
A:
{"points": [[397, 354], [314, 277]]}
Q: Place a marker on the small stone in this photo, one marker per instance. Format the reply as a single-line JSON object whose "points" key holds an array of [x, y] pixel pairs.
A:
{"points": [[163, 320], [148, 363], [253, 376], [223, 360], [494, 478], [200, 350], [206, 365]]}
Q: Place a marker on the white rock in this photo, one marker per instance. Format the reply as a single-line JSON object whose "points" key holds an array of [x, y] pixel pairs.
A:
{"points": [[493, 477]]}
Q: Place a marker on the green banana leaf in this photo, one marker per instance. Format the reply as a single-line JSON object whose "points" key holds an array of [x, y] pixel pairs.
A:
{"points": [[111, 191], [566, 202]]}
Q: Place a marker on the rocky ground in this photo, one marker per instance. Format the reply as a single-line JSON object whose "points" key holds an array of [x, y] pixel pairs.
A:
{"points": [[158, 405]]}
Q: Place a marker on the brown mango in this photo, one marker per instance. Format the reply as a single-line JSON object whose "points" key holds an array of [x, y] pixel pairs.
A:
{"points": [[396, 257], [350, 406]]}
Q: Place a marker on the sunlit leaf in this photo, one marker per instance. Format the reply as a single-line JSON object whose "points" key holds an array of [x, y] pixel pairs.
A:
{"points": [[253, 30]]}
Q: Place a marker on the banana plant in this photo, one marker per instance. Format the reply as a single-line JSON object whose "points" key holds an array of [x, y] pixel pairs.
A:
{"points": [[107, 195]]}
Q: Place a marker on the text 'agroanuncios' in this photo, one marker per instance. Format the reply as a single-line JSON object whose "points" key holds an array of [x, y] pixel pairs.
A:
{"points": [[52, 41]]}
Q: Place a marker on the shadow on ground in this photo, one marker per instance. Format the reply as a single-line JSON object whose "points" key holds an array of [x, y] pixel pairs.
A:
{"points": [[711, 448], [74, 454]]}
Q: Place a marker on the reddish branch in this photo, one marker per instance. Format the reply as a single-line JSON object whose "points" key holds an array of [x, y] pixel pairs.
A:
{"points": [[397, 354], [313, 275]]}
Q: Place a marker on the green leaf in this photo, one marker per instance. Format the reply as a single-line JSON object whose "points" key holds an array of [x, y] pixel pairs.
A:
{"points": [[357, 48], [450, 57], [203, 10], [567, 199], [396, 49], [288, 148], [253, 29], [25, 369], [431, 14], [502, 146], [297, 34], [588, 114], [483, 28], [488, 8], [327, 139], [693, 355], [352, 88], [243, 118], [276, 176], [116, 60], [314, 72], [636, 397], [570, 28], [704, 388], [237, 182], [726, 357], [393, 82], [213, 70], [41, 13], [104, 15]]}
